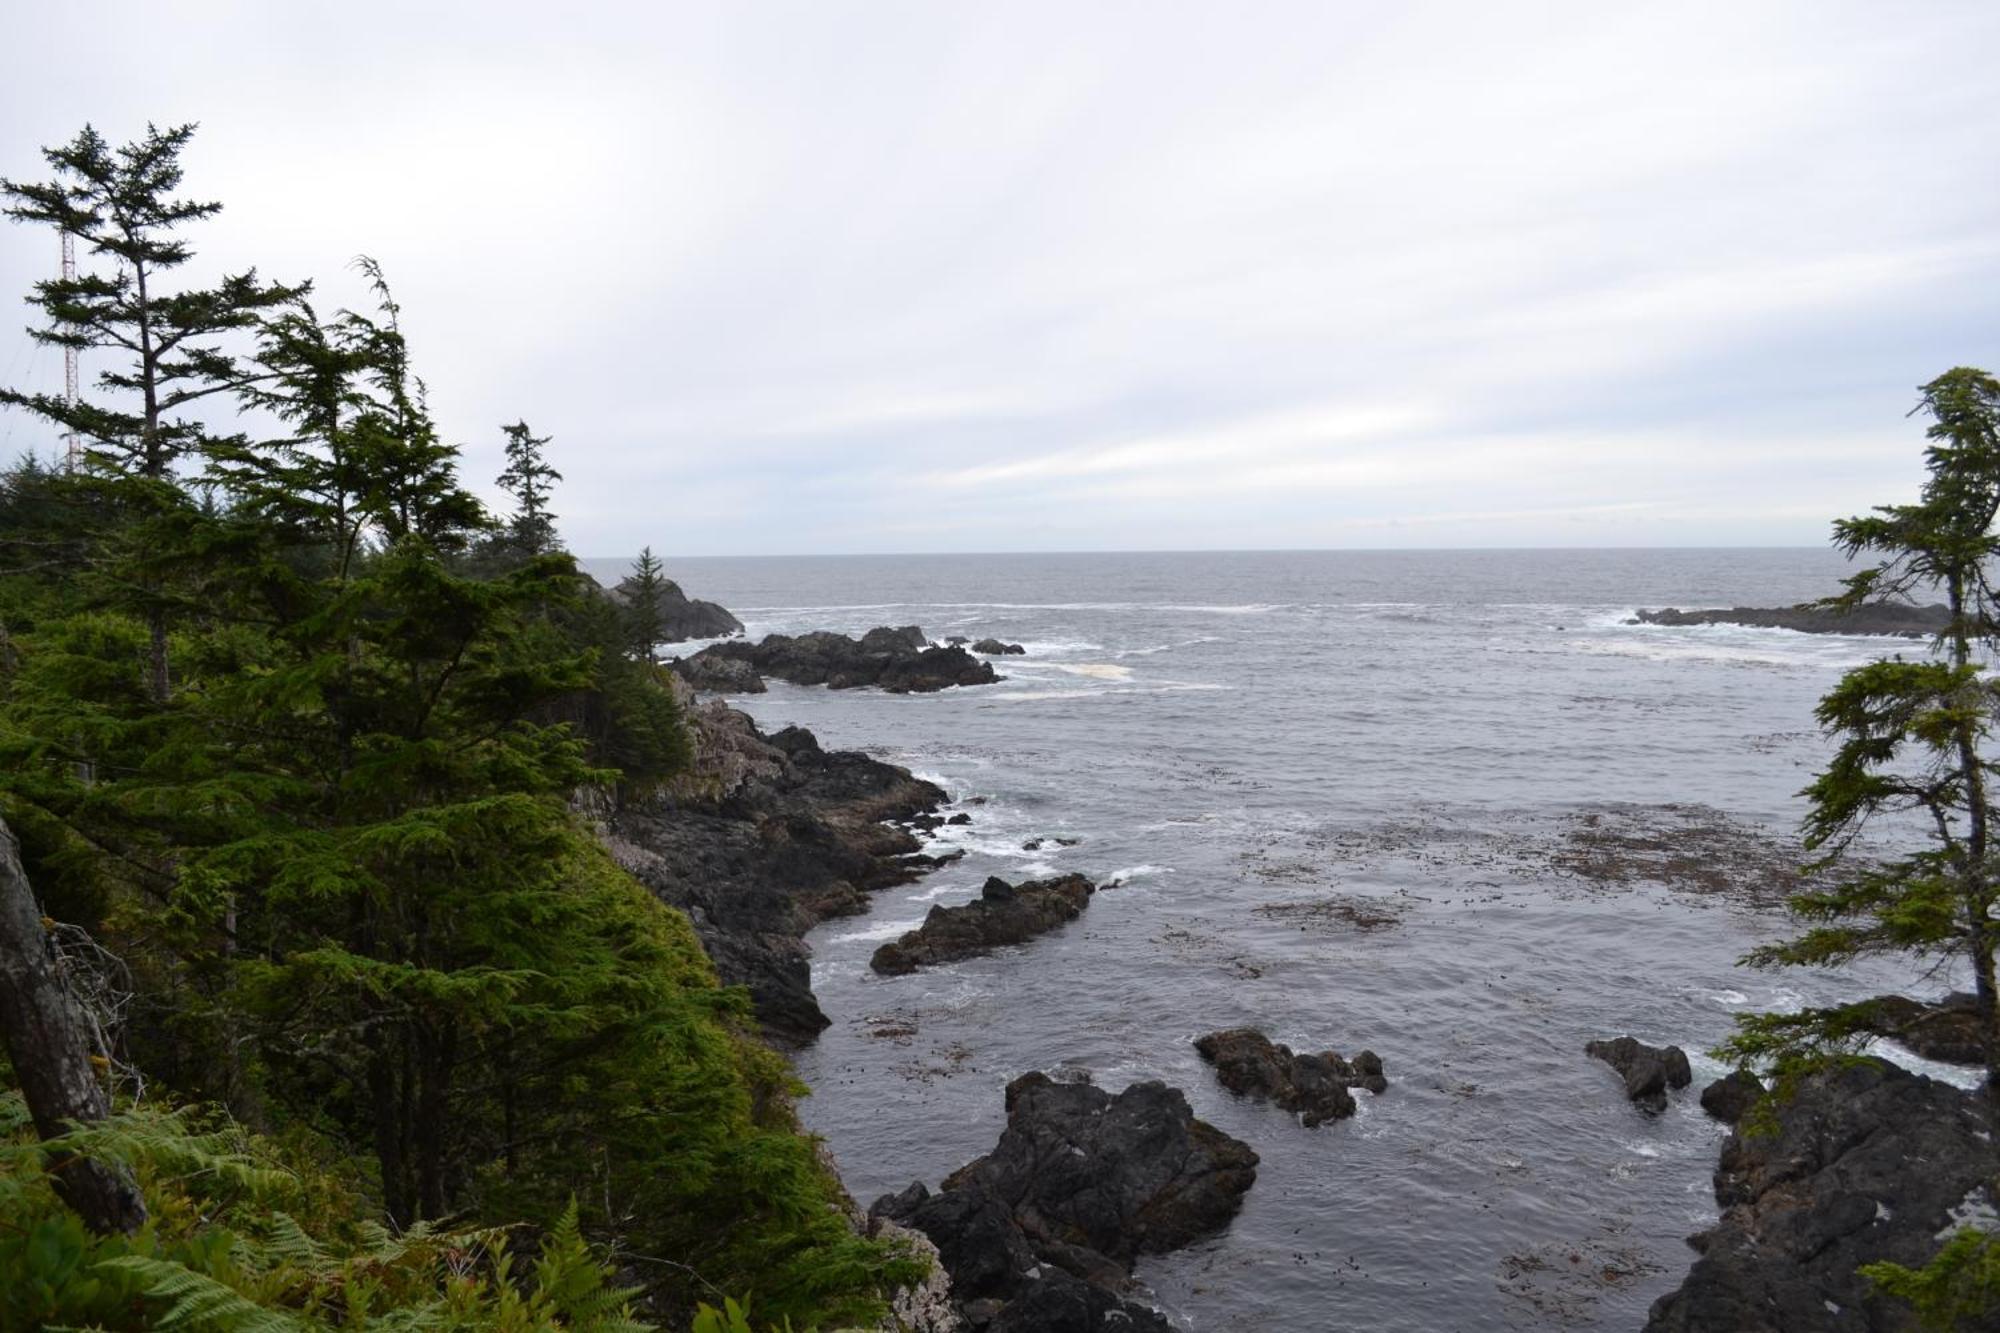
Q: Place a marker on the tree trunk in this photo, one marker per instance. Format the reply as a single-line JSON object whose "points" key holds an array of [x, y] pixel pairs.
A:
{"points": [[50, 1050], [435, 1054], [159, 680], [1972, 874], [384, 1102]]}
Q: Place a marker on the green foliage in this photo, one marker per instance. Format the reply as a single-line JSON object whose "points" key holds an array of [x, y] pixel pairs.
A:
{"points": [[1962, 1282], [225, 1250], [119, 203], [731, 1318], [530, 480], [338, 862], [1913, 740], [641, 590]]}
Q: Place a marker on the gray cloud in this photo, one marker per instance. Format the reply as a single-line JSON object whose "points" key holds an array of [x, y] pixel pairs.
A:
{"points": [[875, 277]]}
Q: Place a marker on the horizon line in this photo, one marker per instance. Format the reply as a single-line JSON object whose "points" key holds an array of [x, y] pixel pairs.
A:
{"points": [[1209, 550]]}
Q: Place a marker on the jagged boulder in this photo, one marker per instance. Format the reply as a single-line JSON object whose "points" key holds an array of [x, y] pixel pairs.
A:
{"points": [[1040, 1234], [1864, 1162], [1002, 914], [1124, 1175], [1314, 1086], [1728, 1098], [1648, 1071], [716, 673]]}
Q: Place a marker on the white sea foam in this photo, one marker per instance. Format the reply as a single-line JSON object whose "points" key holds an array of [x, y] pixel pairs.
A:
{"points": [[1038, 696], [1042, 648], [1126, 874], [1169, 647], [881, 930], [1095, 670], [1959, 1076]]}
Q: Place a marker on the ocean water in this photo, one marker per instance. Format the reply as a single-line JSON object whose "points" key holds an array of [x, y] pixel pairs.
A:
{"points": [[1446, 806]]}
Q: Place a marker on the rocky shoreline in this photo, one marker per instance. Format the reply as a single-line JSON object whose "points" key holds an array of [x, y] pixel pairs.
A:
{"points": [[1898, 619], [767, 837], [772, 834], [1830, 1185]]}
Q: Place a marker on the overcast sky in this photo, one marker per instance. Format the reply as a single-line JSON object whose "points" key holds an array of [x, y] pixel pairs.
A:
{"points": [[829, 277]]}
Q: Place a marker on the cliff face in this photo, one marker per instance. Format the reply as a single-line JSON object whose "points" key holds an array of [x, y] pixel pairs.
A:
{"points": [[763, 839]]}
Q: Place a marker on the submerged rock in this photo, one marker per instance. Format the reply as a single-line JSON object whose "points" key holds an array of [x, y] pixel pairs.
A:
{"points": [[1648, 1071], [1728, 1098], [1865, 1162], [995, 648], [1315, 1086], [1897, 618], [1041, 1233], [1003, 914], [899, 660]]}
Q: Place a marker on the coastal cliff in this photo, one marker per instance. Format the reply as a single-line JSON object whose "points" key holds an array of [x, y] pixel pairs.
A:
{"points": [[765, 837]]}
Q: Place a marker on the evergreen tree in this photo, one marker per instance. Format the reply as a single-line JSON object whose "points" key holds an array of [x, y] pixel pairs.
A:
{"points": [[340, 865], [530, 480], [642, 589], [171, 346], [1915, 739]]}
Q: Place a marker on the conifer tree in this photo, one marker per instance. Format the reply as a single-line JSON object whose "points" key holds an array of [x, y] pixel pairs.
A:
{"points": [[1915, 739], [170, 347], [642, 589], [530, 480]]}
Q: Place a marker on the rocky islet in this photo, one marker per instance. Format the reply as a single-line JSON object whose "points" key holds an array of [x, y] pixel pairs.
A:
{"points": [[896, 659]]}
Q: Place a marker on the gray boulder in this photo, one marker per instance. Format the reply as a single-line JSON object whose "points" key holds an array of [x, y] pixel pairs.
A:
{"points": [[1315, 1086], [1002, 914], [1648, 1071]]}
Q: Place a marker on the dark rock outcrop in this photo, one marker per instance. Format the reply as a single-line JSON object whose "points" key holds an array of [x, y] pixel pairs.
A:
{"points": [[899, 660], [1947, 1030], [714, 673], [1729, 1097], [765, 838], [1867, 1162], [995, 648], [1041, 1233], [1648, 1071], [1897, 618], [1002, 914], [1315, 1086], [683, 617]]}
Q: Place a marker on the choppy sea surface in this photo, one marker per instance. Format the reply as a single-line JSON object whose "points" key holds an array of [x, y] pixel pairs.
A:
{"points": [[1447, 806]]}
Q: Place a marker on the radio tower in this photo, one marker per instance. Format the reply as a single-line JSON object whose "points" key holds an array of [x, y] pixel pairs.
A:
{"points": [[69, 353]]}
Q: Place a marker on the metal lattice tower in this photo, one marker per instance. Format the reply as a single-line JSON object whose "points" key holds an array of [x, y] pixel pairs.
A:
{"points": [[69, 353]]}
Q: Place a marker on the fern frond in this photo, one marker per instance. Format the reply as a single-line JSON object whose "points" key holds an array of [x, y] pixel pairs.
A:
{"points": [[198, 1302]]}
